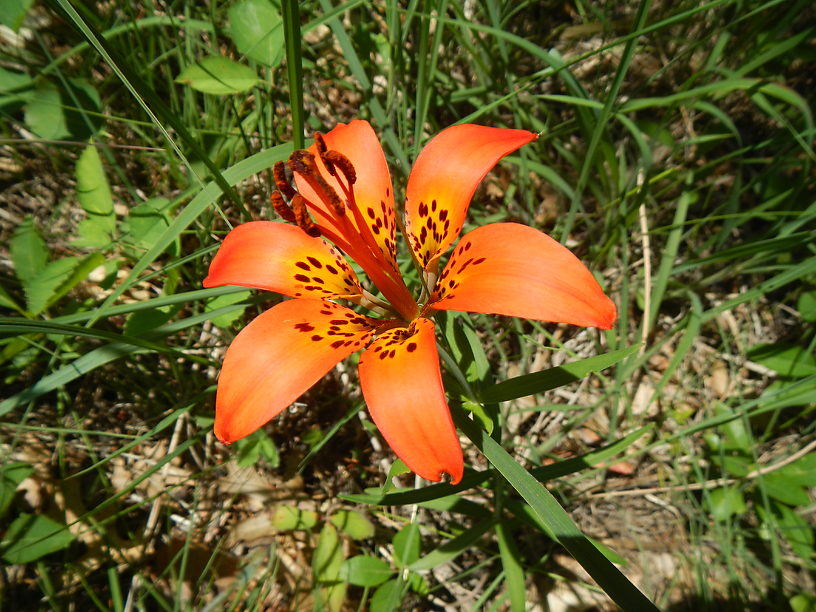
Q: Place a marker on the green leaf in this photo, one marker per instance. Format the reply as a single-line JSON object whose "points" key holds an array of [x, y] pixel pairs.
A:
{"points": [[93, 190], [802, 471], [95, 197], [218, 75], [6, 301], [28, 251], [11, 80], [365, 571], [229, 319], [45, 288], [387, 597], [328, 555], [30, 537], [558, 522], [407, 543], [354, 524], [12, 12], [78, 274], [289, 518], [806, 305], [803, 602], [256, 29], [144, 321], [452, 548], [11, 475], [545, 380], [147, 222], [785, 489], [787, 360], [726, 502], [796, 530], [44, 114]]}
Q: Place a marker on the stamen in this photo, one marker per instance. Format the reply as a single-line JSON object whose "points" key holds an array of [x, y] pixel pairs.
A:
{"points": [[302, 218], [282, 183], [320, 143], [344, 163], [281, 207], [303, 163], [322, 149]]}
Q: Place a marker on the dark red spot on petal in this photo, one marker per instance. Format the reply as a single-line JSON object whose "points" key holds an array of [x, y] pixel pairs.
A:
{"points": [[411, 347]]}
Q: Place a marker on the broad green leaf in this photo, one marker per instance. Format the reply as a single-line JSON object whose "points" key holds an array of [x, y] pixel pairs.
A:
{"points": [[545, 380], [806, 305], [12, 12], [727, 502], [787, 360], [78, 274], [218, 75], [227, 320], [6, 301], [803, 602], [365, 571], [354, 524], [44, 114], [796, 530], [387, 597], [144, 321], [11, 475], [290, 518], [93, 232], [785, 489], [28, 251], [256, 29], [802, 471], [40, 291], [11, 79], [407, 543], [93, 190], [328, 555], [146, 222], [30, 537]]}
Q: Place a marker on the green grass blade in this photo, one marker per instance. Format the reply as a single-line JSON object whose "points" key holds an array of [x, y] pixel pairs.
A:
{"points": [[610, 579], [294, 68]]}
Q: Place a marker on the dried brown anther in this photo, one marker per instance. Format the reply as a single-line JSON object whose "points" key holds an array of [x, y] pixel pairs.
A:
{"points": [[281, 207], [302, 218], [343, 163], [281, 181]]}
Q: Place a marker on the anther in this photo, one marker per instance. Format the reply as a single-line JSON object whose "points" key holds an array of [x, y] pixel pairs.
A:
{"points": [[320, 143], [282, 183], [281, 207], [322, 149], [302, 218], [344, 163], [303, 163]]}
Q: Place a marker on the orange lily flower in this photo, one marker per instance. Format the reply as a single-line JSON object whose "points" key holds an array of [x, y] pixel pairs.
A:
{"points": [[342, 203]]}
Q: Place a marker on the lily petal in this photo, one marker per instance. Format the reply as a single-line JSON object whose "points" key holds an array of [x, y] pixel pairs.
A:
{"points": [[402, 385], [278, 356], [443, 180], [515, 270], [373, 192], [282, 258]]}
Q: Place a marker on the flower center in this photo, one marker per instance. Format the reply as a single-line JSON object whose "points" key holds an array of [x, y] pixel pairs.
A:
{"points": [[339, 219]]}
